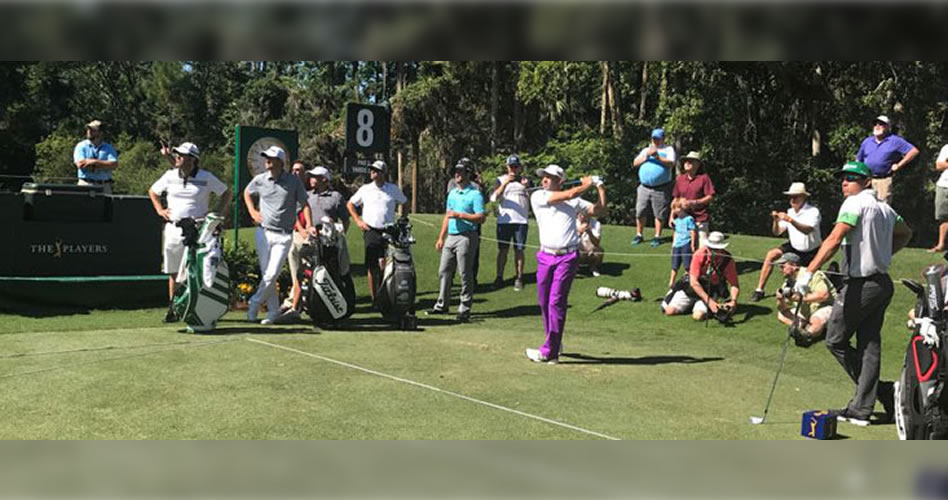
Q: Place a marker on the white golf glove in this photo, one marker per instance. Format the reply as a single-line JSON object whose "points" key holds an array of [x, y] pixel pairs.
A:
{"points": [[597, 181], [802, 286], [928, 331]]}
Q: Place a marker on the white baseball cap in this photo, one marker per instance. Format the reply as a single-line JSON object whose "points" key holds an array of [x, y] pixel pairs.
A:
{"points": [[275, 152], [884, 119], [188, 148], [552, 170], [378, 165], [323, 171]]}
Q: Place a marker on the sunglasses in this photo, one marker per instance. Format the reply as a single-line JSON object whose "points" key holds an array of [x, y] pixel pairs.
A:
{"points": [[880, 124], [853, 178]]}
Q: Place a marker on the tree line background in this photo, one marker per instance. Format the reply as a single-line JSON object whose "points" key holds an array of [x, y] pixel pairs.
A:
{"points": [[760, 125]]}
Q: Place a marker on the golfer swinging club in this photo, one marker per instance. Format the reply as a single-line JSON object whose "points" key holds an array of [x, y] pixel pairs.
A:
{"points": [[558, 257]]}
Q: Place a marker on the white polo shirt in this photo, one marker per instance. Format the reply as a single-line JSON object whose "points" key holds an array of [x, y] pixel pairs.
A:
{"points": [[188, 197], [808, 216], [378, 203], [513, 206], [943, 178], [867, 248], [557, 221]]}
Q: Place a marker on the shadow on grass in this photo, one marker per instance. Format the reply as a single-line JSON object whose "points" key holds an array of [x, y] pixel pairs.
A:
{"points": [[29, 310], [745, 266], [584, 359], [257, 330], [512, 312], [749, 311]]}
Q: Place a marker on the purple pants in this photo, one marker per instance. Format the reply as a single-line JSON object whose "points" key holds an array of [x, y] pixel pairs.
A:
{"points": [[555, 275]]}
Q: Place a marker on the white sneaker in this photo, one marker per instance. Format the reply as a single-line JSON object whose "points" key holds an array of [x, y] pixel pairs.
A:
{"points": [[268, 321], [596, 273], [534, 355]]}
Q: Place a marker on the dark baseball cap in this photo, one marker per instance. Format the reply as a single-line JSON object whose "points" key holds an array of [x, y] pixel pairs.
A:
{"points": [[513, 160]]}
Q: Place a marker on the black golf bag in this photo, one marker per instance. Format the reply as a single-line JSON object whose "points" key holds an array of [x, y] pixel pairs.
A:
{"points": [[921, 401], [202, 291], [395, 295], [327, 294]]}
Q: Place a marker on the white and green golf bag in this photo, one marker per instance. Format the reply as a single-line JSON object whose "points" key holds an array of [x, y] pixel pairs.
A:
{"points": [[202, 293]]}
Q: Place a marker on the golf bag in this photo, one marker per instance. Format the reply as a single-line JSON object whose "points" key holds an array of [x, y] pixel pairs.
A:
{"points": [[328, 295], [395, 295], [921, 401], [202, 291]]}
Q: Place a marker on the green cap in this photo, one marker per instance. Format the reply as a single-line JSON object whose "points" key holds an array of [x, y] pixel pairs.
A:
{"points": [[856, 167]]}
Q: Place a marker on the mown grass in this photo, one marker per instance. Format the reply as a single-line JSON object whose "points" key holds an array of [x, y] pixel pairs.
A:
{"points": [[627, 372]]}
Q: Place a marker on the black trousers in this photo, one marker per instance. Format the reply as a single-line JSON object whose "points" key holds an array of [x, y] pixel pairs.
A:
{"points": [[860, 309]]}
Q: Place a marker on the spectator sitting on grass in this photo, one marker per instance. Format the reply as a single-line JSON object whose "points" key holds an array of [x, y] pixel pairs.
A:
{"points": [[802, 225], [685, 241], [590, 242], [817, 303]]}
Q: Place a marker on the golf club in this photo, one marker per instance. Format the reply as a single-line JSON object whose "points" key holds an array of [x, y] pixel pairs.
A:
{"points": [[783, 356]]}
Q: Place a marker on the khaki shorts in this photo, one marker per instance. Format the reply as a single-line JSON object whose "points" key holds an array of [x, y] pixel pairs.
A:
{"points": [[172, 248], [294, 256], [822, 314], [941, 204], [883, 189]]}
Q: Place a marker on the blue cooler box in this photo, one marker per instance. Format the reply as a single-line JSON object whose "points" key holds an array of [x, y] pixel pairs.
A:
{"points": [[818, 424]]}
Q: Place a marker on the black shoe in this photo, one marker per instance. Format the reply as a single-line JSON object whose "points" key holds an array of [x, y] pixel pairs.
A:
{"points": [[845, 415], [757, 295], [887, 398], [436, 310], [464, 317], [171, 317], [498, 283]]}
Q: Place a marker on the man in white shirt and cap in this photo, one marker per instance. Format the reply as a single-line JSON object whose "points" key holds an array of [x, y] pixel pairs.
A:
{"points": [[187, 189], [379, 200], [558, 258]]}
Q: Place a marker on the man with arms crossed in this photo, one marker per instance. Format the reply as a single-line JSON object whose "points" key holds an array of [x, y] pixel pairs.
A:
{"points": [[379, 200]]}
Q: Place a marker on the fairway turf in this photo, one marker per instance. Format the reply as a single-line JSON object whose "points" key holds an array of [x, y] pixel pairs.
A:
{"points": [[627, 371]]}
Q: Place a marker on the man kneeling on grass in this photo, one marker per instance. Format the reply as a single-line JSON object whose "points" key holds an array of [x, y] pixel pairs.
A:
{"points": [[817, 303], [711, 283]]}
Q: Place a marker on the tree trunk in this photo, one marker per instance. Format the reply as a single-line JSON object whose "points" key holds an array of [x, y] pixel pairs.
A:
{"points": [[355, 81], [614, 108], [517, 109], [494, 104], [644, 91], [384, 80], [415, 153], [604, 105]]}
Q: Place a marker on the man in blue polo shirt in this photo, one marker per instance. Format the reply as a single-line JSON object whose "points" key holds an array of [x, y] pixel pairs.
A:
{"points": [[95, 159], [656, 163], [464, 212], [885, 154]]}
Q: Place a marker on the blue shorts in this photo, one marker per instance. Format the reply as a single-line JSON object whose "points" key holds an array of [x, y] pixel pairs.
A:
{"points": [[515, 232], [681, 255]]}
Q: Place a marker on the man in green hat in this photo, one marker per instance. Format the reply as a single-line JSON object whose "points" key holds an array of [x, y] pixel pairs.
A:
{"points": [[869, 232]]}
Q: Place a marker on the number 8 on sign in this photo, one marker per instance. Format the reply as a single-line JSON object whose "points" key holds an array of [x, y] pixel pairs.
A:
{"points": [[364, 134]]}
